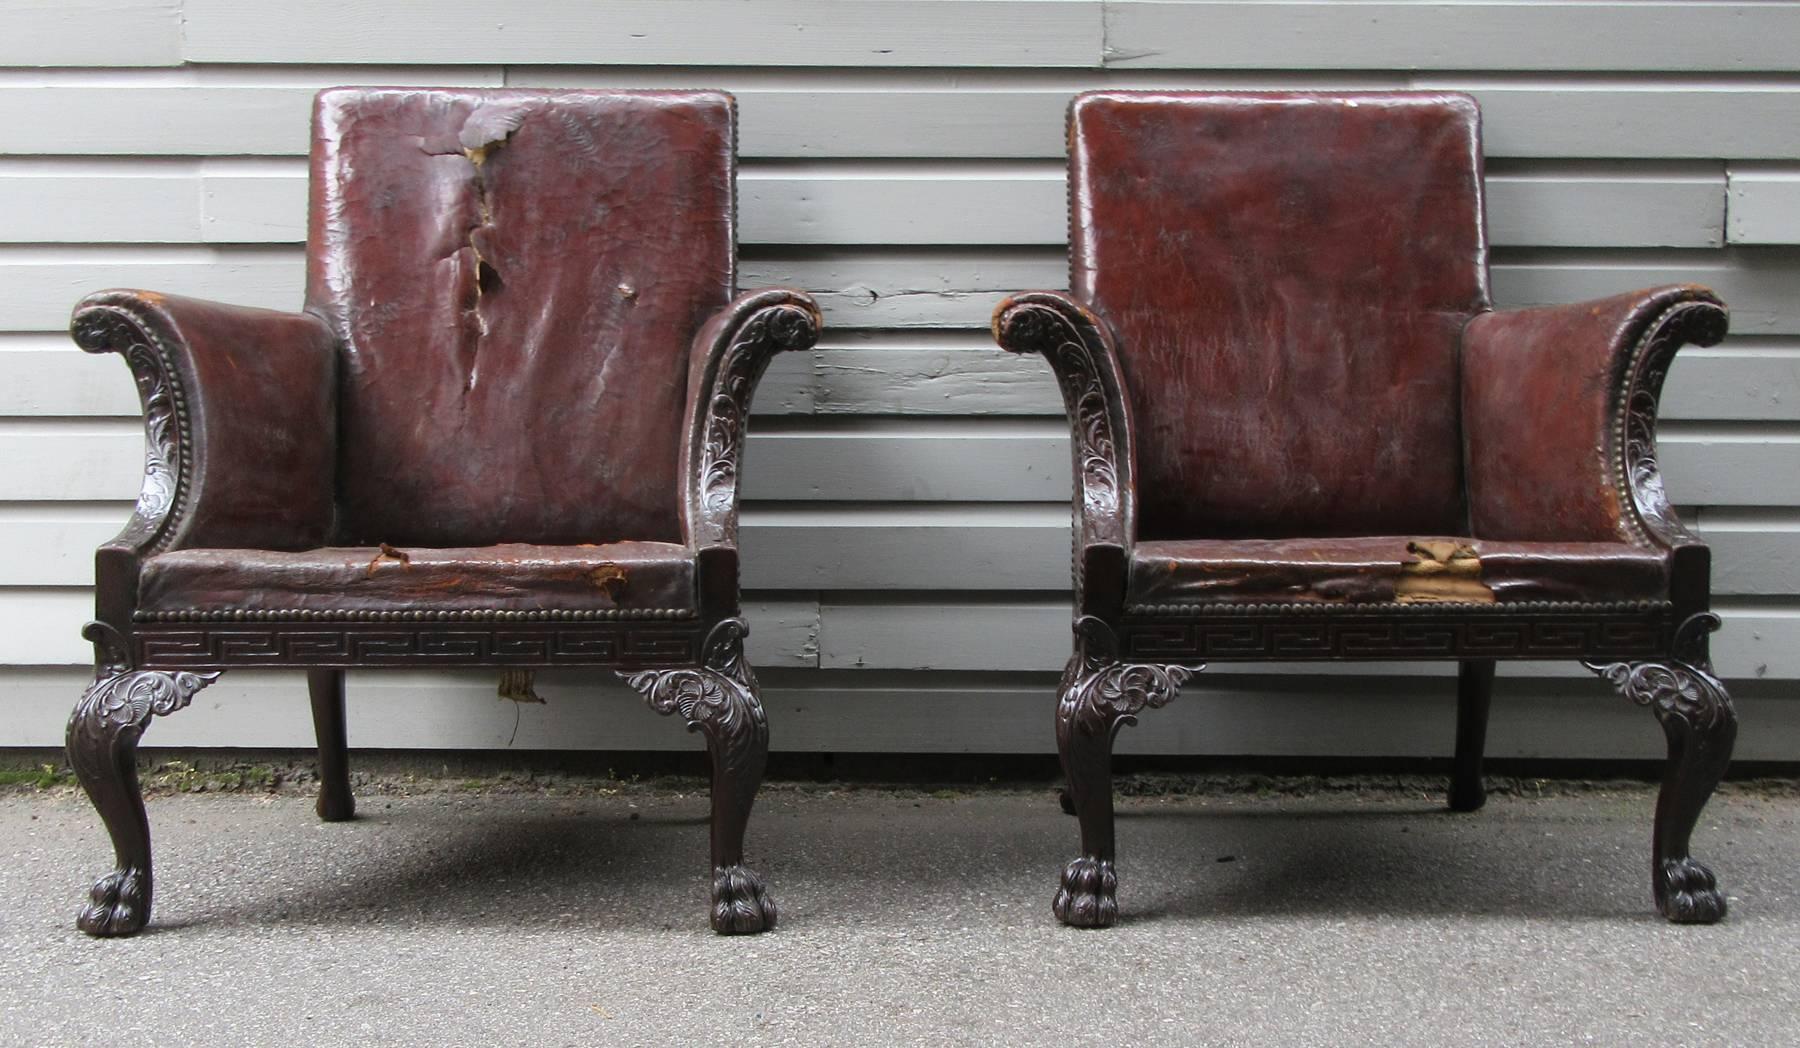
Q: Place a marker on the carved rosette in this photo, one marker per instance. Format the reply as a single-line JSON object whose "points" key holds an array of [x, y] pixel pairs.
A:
{"points": [[1682, 688], [102, 329], [1099, 691], [1035, 328], [717, 698], [771, 330]]}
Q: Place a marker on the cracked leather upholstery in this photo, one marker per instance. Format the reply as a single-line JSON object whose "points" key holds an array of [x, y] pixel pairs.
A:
{"points": [[511, 577], [515, 277]]}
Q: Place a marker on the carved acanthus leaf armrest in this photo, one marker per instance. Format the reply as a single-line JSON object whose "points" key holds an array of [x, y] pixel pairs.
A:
{"points": [[239, 424], [1689, 316], [1079, 348], [728, 358]]}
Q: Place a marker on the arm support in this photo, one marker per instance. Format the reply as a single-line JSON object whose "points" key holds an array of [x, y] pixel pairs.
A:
{"points": [[1079, 348], [728, 357], [239, 420], [1559, 415]]}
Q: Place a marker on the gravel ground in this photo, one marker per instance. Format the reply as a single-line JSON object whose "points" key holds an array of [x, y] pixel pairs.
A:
{"points": [[478, 916]]}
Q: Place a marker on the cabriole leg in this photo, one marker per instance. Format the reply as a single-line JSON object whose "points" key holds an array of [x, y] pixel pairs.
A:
{"points": [[720, 700], [1701, 726], [102, 741], [336, 803], [1474, 690], [1098, 695]]}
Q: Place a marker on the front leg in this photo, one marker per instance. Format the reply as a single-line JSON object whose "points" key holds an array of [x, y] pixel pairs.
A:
{"points": [[1098, 696], [102, 746], [1701, 726], [720, 699]]}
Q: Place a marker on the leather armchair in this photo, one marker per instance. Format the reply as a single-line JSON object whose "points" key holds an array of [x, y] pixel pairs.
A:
{"points": [[506, 431], [1302, 432]]}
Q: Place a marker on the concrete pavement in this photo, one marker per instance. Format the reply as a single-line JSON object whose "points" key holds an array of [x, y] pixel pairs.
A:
{"points": [[480, 917]]}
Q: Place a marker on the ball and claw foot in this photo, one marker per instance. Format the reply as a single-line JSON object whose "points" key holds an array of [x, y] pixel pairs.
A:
{"points": [[741, 905], [115, 906], [1689, 894], [1088, 897]]}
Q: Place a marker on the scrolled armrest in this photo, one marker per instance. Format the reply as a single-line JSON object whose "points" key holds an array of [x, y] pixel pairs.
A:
{"points": [[728, 357], [239, 420], [1559, 415], [1079, 348]]}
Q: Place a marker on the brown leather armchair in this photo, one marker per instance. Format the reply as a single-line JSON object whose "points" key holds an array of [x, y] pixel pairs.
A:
{"points": [[1301, 431], [505, 431]]}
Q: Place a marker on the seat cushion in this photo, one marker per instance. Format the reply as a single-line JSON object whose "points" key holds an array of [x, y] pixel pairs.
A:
{"points": [[1386, 569], [627, 575]]}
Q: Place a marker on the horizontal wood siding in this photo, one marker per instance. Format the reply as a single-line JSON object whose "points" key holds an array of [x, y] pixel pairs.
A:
{"points": [[907, 532]]}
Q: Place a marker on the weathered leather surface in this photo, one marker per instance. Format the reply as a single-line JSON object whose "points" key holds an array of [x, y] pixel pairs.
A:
{"points": [[511, 577], [259, 390], [515, 277], [1287, 276], [1541, 410], [1387, 568]]}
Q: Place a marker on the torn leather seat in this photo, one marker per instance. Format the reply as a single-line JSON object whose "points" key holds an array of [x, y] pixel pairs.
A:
{"points": [[1366, 570], [635, 579], [504, 432], [1302, 431]]}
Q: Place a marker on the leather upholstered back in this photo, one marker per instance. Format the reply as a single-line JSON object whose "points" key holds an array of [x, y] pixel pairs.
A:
{"points": [[515, 277], [1288, 276]]}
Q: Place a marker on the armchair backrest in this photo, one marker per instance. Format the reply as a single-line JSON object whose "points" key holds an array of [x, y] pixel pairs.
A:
{"points": [[1288, 276], [515, 277]]}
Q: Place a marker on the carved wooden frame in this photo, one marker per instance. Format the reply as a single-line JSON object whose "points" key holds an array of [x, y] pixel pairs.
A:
{"points": [[1132, 656], [148, 664]]}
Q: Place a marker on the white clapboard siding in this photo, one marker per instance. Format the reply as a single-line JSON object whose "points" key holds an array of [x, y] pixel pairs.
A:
{"points": [[225, 203], [1763, 205], [1218, 713], [908, 460], [1461, 34], [650, 32], [1675, 37], [922, 373], [1014, 635], [91, 33], [889, 288], [220, 115]]}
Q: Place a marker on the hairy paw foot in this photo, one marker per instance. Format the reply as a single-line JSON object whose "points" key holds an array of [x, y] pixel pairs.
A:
{"points": [[1088, 897], [116, 905], [1687, 893], [741, 906]]}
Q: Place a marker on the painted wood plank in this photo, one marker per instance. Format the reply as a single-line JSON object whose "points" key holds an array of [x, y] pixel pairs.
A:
{"points": [[925, 374], [76, 209], [1763, 205], [1607, 208], [898, 288], [1298, 34], [650, 32], [1242, 715], [905, 460], [1723, 121], [1754, 551], [1759, 641], [92, 33], [917, 115]]}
